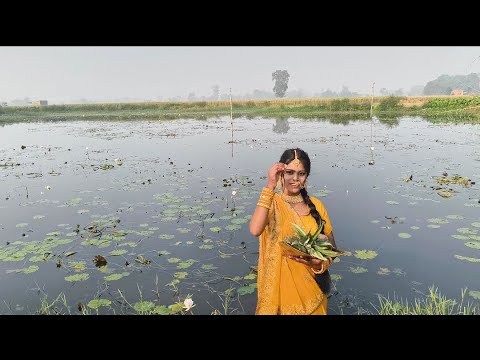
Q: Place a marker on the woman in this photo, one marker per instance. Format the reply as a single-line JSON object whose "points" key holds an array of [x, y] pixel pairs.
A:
{"points": [[286, 284]]}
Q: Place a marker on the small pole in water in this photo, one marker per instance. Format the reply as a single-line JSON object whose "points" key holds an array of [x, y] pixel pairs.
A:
{"points": [[372, 161], [231, 118], [231, 112], [371, 103]]}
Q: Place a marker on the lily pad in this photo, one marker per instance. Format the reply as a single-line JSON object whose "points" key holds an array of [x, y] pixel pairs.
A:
{"points": [[97, 303], [186, 264], [460, 237], [208, 267], [465, 258], [392, 202], [438, 221], [118, 252], [445, 194], [365, 254], [77, 265], [475, 294], [467, 231], [414, 227], [114, 277], [383, 271], [205, 247], [404, 235], [77, 277], [233, 227], [473, 244], [245, 290], [143, 306], [29, 270], [358, 270], [180, 275], [455, 217], [161, 310], [166, 236]]}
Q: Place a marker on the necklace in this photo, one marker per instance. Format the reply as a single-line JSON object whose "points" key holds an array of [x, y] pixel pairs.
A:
{"points": [[291, 199]]}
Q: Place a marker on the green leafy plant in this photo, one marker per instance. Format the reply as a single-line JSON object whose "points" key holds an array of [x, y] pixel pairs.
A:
{"points": [[310, 244]]}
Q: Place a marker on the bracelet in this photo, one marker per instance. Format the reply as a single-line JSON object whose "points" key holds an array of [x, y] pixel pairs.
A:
{"points": [[330, 261], [266, 198]]}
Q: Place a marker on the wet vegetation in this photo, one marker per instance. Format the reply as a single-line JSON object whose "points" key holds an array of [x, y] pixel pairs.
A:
{"points": [[465, 108], [116, 217]]}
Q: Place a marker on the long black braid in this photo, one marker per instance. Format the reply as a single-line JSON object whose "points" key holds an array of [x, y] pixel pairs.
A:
{"points": [[286, 158], [323, 280]]}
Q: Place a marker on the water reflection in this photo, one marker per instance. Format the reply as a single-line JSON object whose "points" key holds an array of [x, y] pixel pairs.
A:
{"points": [[163, 220], [281, 126]]}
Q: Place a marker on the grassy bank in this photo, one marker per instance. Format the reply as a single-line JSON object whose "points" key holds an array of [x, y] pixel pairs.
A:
{"points": [[465, 107]]}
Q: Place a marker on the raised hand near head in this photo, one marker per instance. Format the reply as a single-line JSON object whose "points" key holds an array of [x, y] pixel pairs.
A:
{"points": [[274, 174]]}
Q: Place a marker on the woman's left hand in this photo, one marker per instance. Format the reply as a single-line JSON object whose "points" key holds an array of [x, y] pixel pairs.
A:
{"points": [[318, 265]]}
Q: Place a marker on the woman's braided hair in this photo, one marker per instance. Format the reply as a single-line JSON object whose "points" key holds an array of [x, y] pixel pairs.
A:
{"points": [[286, 158]]}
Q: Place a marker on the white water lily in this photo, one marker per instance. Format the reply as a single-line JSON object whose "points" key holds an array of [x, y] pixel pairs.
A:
{"points": [[119, 162], [234, 193], [188, 304], [48, 187]]}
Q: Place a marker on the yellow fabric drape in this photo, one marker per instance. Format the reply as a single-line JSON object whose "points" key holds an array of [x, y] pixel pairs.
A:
{"points": [[285, 286]]}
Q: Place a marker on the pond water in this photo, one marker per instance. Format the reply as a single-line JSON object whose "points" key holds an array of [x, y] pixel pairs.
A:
{"points": [[153, 199]]}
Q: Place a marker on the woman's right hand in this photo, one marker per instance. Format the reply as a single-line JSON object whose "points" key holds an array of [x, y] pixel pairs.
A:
{"points": [[274, 174]]}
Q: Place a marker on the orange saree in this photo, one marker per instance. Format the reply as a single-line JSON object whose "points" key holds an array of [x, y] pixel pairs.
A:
{"points": [[287, 287]]}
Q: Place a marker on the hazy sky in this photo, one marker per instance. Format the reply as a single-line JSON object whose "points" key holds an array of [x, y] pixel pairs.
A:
{"points": [[61, 74]]}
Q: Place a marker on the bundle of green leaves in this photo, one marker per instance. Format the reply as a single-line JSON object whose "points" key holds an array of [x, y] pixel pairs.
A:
{"points": [[310, 244]]}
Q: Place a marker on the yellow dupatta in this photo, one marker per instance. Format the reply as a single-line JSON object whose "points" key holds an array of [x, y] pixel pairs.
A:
{"points": [[286, 286]]}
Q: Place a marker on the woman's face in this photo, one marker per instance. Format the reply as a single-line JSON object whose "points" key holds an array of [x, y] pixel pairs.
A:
{"points": [[294, 177]]}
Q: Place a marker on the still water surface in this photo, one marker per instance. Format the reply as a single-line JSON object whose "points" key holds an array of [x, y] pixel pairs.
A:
{"points": [[164, 223]]}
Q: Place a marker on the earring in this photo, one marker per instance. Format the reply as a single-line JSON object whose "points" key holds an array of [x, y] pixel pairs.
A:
{"points": [[279, 185], [304, 186]]}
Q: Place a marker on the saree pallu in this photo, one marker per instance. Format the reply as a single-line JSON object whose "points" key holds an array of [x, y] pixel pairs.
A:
{"points": [[287, 287]]}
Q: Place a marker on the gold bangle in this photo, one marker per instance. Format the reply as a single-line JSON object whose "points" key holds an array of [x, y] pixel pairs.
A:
{"points": [[264, 205], [266, 198], [316, 271]]}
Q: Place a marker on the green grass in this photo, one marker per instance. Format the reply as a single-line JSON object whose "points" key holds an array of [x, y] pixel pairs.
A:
{"points": [[455, 107], [434, 303]]}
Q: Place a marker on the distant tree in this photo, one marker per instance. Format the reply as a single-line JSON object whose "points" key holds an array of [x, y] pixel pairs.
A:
{"points": [[297, 94], [345, 92], [383, 92], [416, 90], [191, 96], [215, 92], [444, 84], [398, 92], [281, 82], [328, 94]]}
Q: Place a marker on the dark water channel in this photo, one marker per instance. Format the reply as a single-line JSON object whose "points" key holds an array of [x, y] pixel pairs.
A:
{"points": [[154, 200]]}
